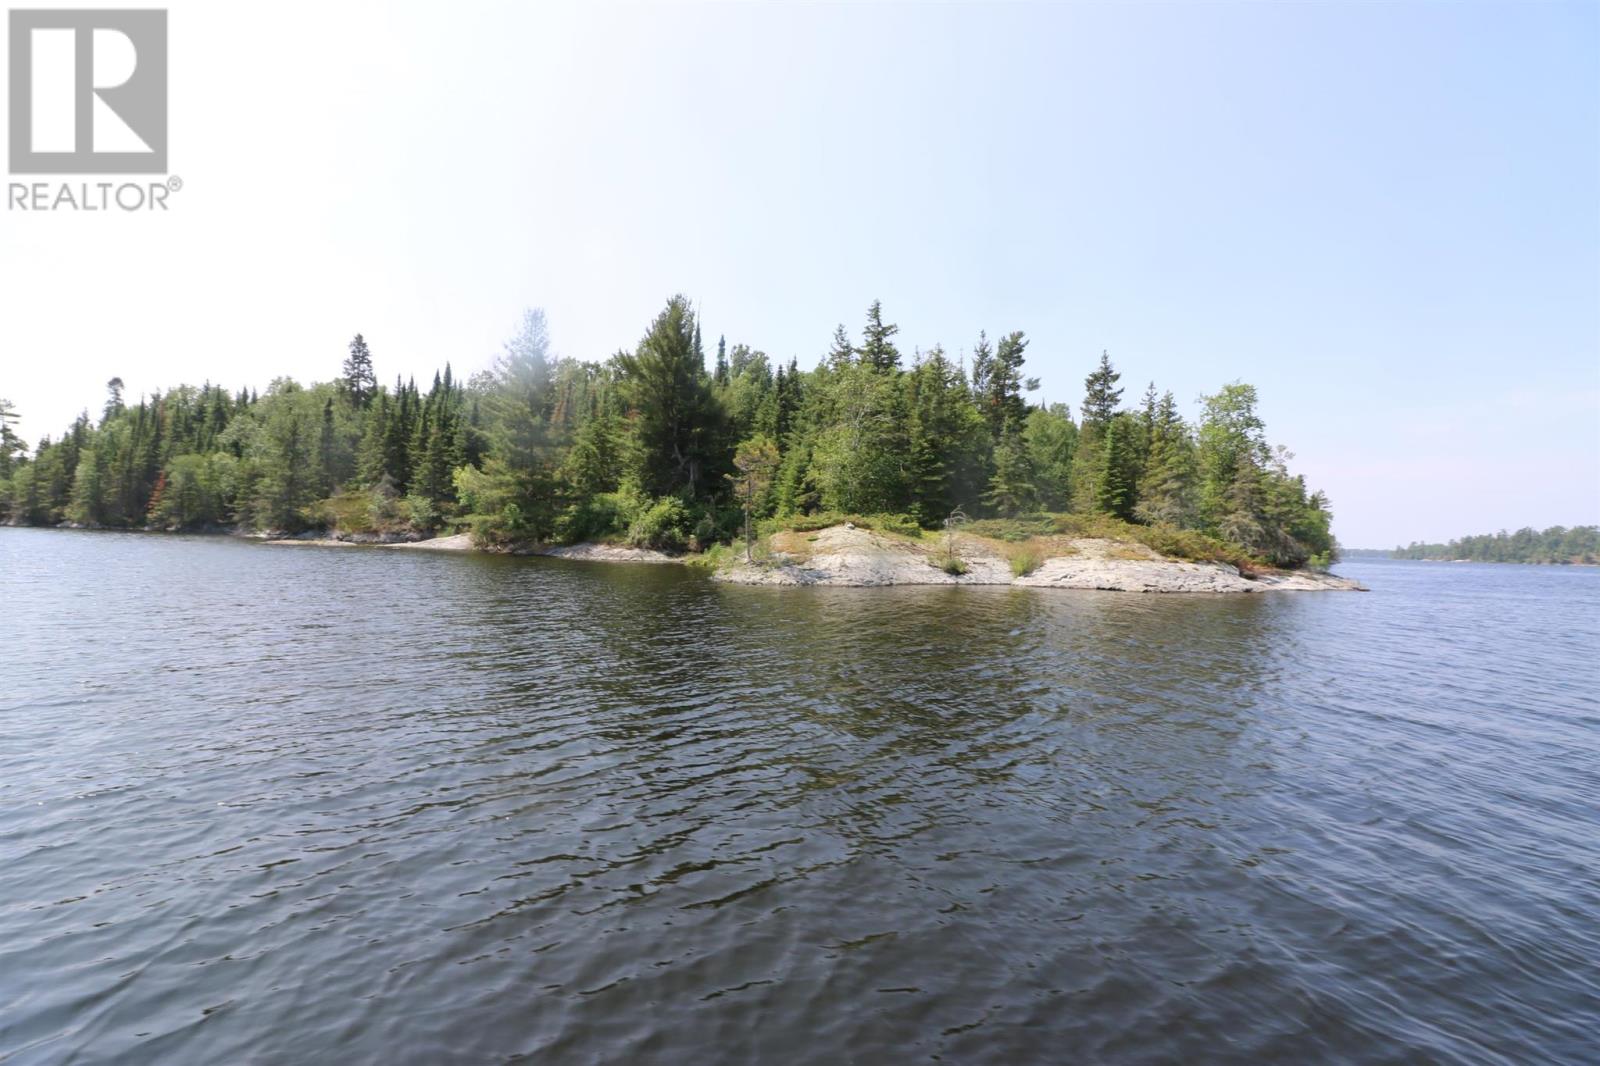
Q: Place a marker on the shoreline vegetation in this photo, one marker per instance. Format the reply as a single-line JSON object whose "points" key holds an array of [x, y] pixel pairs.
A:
{"points": [[848, 555], [740, 463]]}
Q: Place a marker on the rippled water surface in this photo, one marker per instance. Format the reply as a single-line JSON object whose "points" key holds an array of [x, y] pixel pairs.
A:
{"points": [[284, 805]]}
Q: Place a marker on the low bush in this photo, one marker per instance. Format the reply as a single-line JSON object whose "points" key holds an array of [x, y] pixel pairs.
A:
{"points": [[349, 512], [899, 524], [1012, 530], [1025, 560]]}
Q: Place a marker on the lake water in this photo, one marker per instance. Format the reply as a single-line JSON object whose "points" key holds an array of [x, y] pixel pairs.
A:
{"points": [[284, 805]]}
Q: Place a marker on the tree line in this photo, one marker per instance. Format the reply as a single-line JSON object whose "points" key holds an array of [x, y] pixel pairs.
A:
{"points": [[662, 446], [1558, 544]]}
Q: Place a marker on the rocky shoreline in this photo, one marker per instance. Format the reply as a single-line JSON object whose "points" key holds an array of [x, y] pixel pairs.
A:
{"points": [[848, 556]]}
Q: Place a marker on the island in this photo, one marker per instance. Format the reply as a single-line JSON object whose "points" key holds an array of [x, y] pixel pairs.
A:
{"points": [[870, 468]]}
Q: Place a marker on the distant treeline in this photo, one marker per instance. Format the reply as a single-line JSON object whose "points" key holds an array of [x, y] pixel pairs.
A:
{"points": [[1558, 544], [664, 447]]}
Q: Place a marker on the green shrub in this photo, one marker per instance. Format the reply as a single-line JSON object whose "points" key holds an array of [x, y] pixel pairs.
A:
{"points": [[419, 513], [718, 556], [593, 518], [666, 524], [350, 512], [1025, 560]]}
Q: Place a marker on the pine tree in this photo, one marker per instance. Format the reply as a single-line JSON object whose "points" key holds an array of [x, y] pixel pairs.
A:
{"points": [[721, 376], [1004, 385], [113, 400], [11, 445]]}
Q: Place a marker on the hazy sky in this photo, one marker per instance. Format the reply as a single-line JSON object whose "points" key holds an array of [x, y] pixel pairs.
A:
{"points": [[1385, 216]]}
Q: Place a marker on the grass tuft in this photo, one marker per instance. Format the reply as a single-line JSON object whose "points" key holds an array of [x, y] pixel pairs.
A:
{"points": [[1025, 560]]}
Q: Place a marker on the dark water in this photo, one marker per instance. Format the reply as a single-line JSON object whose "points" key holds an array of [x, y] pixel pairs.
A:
{"points": [[286, 805]]}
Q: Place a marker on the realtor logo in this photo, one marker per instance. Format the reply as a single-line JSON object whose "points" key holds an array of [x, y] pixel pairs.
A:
{"points": [[88, 92]]}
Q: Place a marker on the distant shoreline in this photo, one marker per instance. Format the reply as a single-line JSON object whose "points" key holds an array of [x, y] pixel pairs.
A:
{"points": [[1495, 562], [1390, 556]]}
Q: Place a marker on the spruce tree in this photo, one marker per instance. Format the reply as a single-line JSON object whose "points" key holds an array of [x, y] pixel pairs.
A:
{"points": [[372, 456], [676, 418], [1100, 394], [359, 380], [1167, 486], [842, 353], [877, 349], [1117, 487], [1012, 489], [982, 365]]}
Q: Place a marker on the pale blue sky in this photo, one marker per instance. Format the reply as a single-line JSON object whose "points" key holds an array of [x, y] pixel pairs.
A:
{"points": [[1386, 216]]}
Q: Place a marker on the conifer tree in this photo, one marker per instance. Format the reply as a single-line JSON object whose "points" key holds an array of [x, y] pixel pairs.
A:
{"points": [[1004, 385], [359, 380], [326, 450], [1167, 486], [1051, 438], [1100, 394], [675, 417], [877, 349], [11, 445], [1012, 490], [842, 353], [1117, 488], [372, 460], [113, 400], [982, 365]]}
